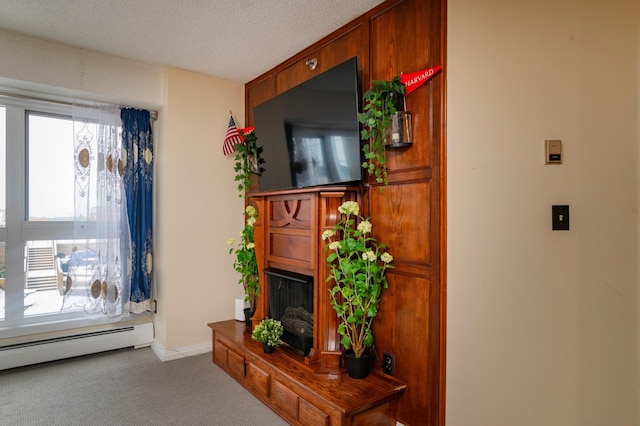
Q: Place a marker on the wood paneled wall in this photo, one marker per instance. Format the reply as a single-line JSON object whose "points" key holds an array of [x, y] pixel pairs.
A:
{"points": [[409, 214]]}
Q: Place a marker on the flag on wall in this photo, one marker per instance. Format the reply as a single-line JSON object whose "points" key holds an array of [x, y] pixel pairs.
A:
{"points": [[413, 80], [231, 138]]}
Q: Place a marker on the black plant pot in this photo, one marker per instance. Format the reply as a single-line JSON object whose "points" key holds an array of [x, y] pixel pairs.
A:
{"points": [[358, 368], [267, 348], [248, 313]]}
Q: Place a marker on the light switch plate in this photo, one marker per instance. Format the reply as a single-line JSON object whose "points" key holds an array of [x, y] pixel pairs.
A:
{"points": [[553, 151], [560, 218]]}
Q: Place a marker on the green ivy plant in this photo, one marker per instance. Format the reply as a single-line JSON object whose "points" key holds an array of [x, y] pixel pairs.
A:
{"points": [[268, 331], [245, 262], [357, 268], [248, 162], [381, 102]]}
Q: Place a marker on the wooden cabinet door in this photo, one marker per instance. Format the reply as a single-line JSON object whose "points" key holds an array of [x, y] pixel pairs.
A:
{"points": [[285, 400], [292, 233], [259, 379], [310, 415], [220, 353], [229, 359], [236, 364]]}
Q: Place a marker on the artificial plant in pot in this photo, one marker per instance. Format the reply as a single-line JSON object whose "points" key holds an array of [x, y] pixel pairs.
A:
{"points": [[248, 162], [245, 262], [381, 102], [357, 268], [269, 332]]}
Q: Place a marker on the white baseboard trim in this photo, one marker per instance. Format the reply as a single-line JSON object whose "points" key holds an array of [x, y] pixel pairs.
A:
{"points": [[165, 354], [75, 343]]}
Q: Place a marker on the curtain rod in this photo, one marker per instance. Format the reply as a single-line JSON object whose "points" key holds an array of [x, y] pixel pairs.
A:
{"points": [[153, 114]]}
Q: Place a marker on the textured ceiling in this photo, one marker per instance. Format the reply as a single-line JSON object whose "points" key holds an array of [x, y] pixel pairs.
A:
{"points": [[231, 39]]}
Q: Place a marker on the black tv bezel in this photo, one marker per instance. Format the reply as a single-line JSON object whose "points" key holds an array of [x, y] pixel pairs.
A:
{"points": [[355, 167]]}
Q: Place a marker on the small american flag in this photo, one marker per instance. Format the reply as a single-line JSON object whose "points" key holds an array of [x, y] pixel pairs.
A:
{"points": [[231, 138]]}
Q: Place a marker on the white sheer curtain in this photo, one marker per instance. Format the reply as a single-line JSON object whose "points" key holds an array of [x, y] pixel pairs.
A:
{"points": [[100, 267]]}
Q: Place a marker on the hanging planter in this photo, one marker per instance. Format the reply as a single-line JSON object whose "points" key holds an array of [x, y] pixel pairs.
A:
{"points": [[248, 161], [399, 134], [385, 124]]}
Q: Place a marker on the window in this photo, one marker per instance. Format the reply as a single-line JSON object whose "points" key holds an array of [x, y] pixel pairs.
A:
{"points": [[37, 215], [49, 149]]}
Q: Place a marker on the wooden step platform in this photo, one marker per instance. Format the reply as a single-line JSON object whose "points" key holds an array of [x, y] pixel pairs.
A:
{"points": [[297, 392]]}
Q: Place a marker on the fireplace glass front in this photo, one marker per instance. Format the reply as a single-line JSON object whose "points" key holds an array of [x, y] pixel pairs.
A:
{"points": [[291, 302]]}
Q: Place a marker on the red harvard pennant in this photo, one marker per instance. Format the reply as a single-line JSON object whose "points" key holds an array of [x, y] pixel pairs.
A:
{"points": [[413, 80]]}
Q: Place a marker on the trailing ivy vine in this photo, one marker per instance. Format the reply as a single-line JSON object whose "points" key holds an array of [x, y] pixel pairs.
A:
{"points": [[381, 102], [248, 162]]}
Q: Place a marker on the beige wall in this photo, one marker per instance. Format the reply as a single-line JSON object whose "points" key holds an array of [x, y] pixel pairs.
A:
{"points": [[198, 208], [543, 325], [41, 66]]}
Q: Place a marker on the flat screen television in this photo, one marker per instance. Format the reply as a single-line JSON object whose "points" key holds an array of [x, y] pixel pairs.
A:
{"points": [[310, 134]]}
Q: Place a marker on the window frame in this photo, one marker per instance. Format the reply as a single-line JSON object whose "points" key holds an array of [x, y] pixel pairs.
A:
{"points": [[19, 229]]}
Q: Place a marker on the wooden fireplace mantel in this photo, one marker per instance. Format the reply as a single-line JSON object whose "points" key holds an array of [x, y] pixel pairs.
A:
{"points": [[288, 236]]}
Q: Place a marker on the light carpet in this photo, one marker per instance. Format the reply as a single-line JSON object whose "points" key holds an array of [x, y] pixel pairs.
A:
{"points": [[128, 387]]}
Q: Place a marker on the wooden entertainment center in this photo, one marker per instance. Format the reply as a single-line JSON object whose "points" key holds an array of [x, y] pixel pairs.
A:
{"points": [[288, 237], [313, 389], [398, 36]]}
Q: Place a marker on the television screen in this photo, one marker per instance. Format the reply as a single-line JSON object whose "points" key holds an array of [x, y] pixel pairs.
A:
{"points": [[310, 134]]}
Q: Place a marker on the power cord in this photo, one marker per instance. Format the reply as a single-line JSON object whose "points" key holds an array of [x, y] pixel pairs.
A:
{"points": [[375, 356]]}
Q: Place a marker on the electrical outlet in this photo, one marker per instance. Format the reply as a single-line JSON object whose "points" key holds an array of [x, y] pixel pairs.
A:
{"points": [[388, 363]]}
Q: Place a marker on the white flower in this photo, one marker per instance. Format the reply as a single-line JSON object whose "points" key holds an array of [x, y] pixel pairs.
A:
{"points": [[328, 234], [251, 221], [349, 207], [250, 245], [334, 245], [230, 241], [364, 227], [386, 257], [369, 255], [251, 211]]}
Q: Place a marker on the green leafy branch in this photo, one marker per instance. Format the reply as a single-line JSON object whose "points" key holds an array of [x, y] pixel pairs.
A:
{"points": [[381, 102], [357, 268], [248, 162], [245, 262]]}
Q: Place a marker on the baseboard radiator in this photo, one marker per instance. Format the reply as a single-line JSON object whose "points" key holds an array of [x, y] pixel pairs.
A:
{"points": [[34, 352]]}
